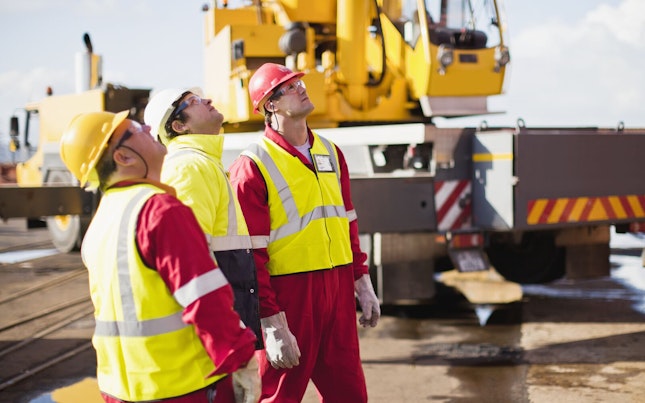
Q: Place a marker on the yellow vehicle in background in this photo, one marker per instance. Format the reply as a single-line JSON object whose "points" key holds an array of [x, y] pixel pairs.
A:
{"points": [[45, 190]]}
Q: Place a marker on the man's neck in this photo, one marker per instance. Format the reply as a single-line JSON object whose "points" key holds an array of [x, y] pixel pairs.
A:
{"points": [[117, 177], [294, 131]]}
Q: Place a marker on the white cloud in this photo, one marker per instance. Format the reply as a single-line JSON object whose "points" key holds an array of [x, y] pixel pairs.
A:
{"points": [[626, 22], [96, 8], [29, 86], [104, 8], [13, 6], [602, 29], [580, 72]]}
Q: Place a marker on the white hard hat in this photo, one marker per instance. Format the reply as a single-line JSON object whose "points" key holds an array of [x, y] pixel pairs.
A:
{"points": [[160, 107]]}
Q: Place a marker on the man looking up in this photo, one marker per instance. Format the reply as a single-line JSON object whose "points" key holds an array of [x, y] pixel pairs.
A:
{"points": [[165, 325], [293, 186], [189, 125]]}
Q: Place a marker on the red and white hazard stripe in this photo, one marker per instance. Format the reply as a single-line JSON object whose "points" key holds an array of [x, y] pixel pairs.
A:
{"points": [[453, 204]]}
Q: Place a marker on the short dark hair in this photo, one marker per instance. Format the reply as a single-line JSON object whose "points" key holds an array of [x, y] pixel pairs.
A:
{"points": [[181, 116]]}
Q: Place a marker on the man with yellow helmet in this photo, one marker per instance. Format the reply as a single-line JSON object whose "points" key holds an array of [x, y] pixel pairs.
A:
{"points": [[293, 186], [165, 325]]}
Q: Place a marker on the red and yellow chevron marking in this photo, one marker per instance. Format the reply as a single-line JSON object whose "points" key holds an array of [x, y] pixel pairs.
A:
{"points": [[582, 209]]}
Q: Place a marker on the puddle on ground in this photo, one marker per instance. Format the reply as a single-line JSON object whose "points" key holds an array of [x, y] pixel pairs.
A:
{"points": [[24, 255]]}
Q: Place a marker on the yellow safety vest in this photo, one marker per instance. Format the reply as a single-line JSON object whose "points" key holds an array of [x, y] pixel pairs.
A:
{"points": [[144, 349], [309, 223], [194, 168]]}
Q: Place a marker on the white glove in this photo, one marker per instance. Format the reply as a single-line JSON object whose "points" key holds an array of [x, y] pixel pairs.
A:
{"points": [[246, 383], [368, 301], [280, 344]]}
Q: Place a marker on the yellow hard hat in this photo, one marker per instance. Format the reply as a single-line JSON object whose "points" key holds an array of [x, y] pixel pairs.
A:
{"points": [[84, 141]]}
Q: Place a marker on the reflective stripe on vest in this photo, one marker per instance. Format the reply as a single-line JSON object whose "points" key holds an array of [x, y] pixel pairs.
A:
{"points": [[139, 323], [232, 240], [295, 223], [351, 214], [259, 241], [309, 224], [131, 326]]}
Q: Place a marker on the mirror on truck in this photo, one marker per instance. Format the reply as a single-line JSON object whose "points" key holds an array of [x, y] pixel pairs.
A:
{"points": [[14, 132]]}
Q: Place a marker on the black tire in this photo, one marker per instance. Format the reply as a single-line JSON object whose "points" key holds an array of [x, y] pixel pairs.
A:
{"points": [[536, 259]]}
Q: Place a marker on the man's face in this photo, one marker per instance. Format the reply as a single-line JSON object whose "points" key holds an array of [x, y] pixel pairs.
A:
{"points": [[201, 115], [136, 138], [291, 98]]}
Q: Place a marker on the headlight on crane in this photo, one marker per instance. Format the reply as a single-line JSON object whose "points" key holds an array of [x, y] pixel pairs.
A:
{"points": [[502, 57], [445, 57]]}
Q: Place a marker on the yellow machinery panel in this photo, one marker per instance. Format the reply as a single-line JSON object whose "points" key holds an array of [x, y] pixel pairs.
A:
{"points": [[474, 76], [311, 11], [226, 57], [366, 61], [217, 19], [54, 114]]}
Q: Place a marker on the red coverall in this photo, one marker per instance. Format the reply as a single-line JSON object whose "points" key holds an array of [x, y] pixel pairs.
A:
{"points": [[166, 232], [320, 306]]}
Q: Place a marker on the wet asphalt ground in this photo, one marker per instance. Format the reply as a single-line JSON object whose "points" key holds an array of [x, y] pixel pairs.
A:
{"points": [[568, 341]]}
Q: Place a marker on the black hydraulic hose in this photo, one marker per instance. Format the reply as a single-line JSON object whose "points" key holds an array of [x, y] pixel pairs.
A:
{"points": [[379, 31]]}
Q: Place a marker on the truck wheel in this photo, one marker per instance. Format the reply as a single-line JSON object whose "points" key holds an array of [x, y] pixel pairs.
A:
{"points": [[536, 259], [66, 231]]}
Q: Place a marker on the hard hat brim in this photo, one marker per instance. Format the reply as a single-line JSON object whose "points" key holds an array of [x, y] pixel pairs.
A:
{"points": [[108, 131], [259, 108]]}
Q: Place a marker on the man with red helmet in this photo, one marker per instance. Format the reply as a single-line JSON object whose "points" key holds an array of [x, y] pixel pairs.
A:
{"points": [[293, 187]]}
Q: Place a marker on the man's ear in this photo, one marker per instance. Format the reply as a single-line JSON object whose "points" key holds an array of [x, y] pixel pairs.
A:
{"points": [[178, 126], [122, 157]]}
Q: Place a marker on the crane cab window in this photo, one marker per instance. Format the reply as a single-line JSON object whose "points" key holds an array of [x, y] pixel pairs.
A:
{"points": [[464, 24]]}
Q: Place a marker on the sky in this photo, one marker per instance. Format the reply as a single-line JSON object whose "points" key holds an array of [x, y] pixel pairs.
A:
{"points": [[573, 62]]}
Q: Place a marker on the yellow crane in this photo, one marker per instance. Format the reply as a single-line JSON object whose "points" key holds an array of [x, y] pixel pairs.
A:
{"points": [[533, 203]]}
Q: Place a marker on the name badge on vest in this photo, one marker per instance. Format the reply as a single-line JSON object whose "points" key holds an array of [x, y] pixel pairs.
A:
{"points": [[323, 163]]}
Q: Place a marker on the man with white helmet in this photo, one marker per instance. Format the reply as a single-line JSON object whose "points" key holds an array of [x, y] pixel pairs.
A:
{"points": [[293, 186], [165, 327], [189, 125]]}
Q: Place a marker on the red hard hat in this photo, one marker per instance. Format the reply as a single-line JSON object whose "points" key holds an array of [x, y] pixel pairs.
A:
{"points": [[265, 80]]}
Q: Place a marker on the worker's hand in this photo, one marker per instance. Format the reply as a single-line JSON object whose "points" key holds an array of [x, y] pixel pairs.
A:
{"points": [[280, 344], [368, 301], [246, 383]]}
